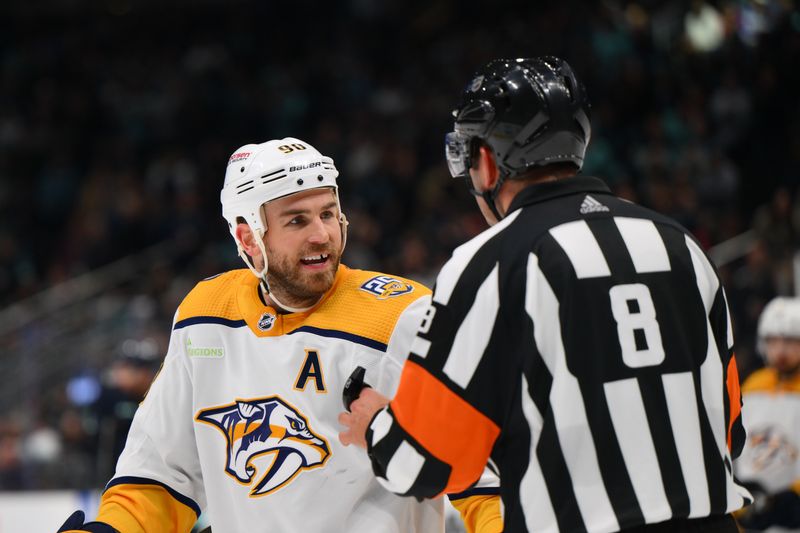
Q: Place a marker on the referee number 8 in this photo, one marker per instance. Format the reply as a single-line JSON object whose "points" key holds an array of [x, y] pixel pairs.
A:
{"points": [[637, 327]]}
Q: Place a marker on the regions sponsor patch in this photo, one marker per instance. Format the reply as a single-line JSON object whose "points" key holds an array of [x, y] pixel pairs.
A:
{"points": [[386, 287], [204, 351]]}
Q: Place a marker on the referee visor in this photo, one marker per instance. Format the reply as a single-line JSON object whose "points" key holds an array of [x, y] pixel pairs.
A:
{"points": [[456, 147]]}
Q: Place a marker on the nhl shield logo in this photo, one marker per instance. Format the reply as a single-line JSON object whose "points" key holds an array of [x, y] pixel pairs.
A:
{"points": [[266, 321]]}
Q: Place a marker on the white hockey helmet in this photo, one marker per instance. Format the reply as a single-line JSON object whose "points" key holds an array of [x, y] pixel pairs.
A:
{"points": [[780, 318], [260, 173]]}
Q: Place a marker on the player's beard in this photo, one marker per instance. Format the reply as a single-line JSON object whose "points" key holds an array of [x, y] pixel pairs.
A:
{"points": [[787, 369], [295, 287]]}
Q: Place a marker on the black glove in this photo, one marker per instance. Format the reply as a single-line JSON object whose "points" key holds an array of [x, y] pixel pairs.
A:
{"points": [[353, 387], [75, 522], [780, 509]]}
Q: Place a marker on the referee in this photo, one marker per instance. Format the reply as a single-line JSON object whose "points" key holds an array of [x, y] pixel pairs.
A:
{"points": [[582, 345]]}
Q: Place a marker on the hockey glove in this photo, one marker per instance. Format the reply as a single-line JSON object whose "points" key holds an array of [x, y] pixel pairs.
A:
{"points": [[75, 523], [353, 387]]}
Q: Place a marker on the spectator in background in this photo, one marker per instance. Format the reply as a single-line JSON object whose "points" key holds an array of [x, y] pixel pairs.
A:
{"points": [[11, 472], [111, 415], [770, 462], [705, 31], [751, 286], [773, 223]]}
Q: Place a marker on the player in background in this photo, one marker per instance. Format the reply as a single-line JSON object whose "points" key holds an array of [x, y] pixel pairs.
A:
{"points": [[770, 462], [582, 342], [241, 422]]}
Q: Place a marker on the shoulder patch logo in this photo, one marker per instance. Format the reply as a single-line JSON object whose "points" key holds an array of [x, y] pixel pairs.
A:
{"points": [[269, 434], [266, 322], [590, 205], [386, 287], [204, 351]]}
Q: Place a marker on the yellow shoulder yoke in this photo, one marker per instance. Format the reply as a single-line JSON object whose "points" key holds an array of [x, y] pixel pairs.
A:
{"points": [[216, 296], [767, 380], [366, 304]]}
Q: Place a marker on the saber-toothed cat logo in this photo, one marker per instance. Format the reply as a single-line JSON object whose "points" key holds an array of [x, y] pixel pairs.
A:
{"points": [[266, 426]]}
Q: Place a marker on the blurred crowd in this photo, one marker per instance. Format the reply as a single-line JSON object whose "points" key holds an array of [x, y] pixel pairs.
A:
{"points": [[116, 121]]}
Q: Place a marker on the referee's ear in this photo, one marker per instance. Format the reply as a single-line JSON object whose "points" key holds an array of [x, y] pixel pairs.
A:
{"points": [[487, 171]]}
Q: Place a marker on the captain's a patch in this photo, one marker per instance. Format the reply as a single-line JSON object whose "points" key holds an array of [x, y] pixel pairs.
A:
{"points": [[386, 287]]}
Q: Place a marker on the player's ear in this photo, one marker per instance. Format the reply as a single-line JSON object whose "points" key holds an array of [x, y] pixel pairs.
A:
{"points": [[245, 235], [487, 168]]}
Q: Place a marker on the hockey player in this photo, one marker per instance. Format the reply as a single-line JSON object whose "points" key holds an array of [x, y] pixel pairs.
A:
{"points": [[770, 462], [241, 421]]}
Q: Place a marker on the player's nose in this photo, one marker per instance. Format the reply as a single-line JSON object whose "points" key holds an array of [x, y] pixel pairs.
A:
{"points": [[318, 232]]}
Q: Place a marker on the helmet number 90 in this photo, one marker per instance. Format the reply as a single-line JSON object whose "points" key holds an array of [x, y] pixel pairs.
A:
{"points": [[637, 327], [289, 148]]}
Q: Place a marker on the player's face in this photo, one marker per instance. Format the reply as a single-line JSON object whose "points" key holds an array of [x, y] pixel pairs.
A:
{"points": [[783, 354], [304, 245]]}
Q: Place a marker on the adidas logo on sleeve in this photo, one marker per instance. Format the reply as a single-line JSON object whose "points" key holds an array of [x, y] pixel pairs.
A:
{"points": [[590, 205]]}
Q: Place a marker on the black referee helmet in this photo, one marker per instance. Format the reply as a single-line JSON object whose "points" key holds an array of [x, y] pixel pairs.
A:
{"points": [[529, 112]]}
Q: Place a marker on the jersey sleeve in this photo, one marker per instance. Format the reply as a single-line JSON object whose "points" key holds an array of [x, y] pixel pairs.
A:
{"points": [[438, 432], [720, 319], [400, 345], [157, 485], [480, 506], [480, 513]]}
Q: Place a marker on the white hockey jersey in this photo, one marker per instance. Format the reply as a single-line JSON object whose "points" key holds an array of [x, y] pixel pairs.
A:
{"points": [[771, 415], [242, 423]]}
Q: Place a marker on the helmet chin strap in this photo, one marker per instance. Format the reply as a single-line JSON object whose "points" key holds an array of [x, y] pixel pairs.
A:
{"points": [[490, 197], [264, 284], [264, 287]]}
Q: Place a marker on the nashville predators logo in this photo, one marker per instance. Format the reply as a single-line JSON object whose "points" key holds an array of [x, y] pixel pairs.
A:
{"points": [[770, 447], [266, 434], [385, 287]]}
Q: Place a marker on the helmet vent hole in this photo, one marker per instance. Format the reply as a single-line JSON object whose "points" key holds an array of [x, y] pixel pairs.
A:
{"points": [[300, 181], [241, 169], [319, 178]]}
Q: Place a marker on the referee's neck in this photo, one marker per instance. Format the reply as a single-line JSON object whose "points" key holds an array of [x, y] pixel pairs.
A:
{"points": [[512, 187]]}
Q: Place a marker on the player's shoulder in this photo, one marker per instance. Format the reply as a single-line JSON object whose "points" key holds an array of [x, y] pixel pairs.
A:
{"points": [[367, 304], [767, 380], [373, 294], [627, 208], [215, 297], [381, 286], [762, 380]]}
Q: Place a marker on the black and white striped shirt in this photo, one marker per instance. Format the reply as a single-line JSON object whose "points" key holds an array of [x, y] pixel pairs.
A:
{"points": [[584, 346]]}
